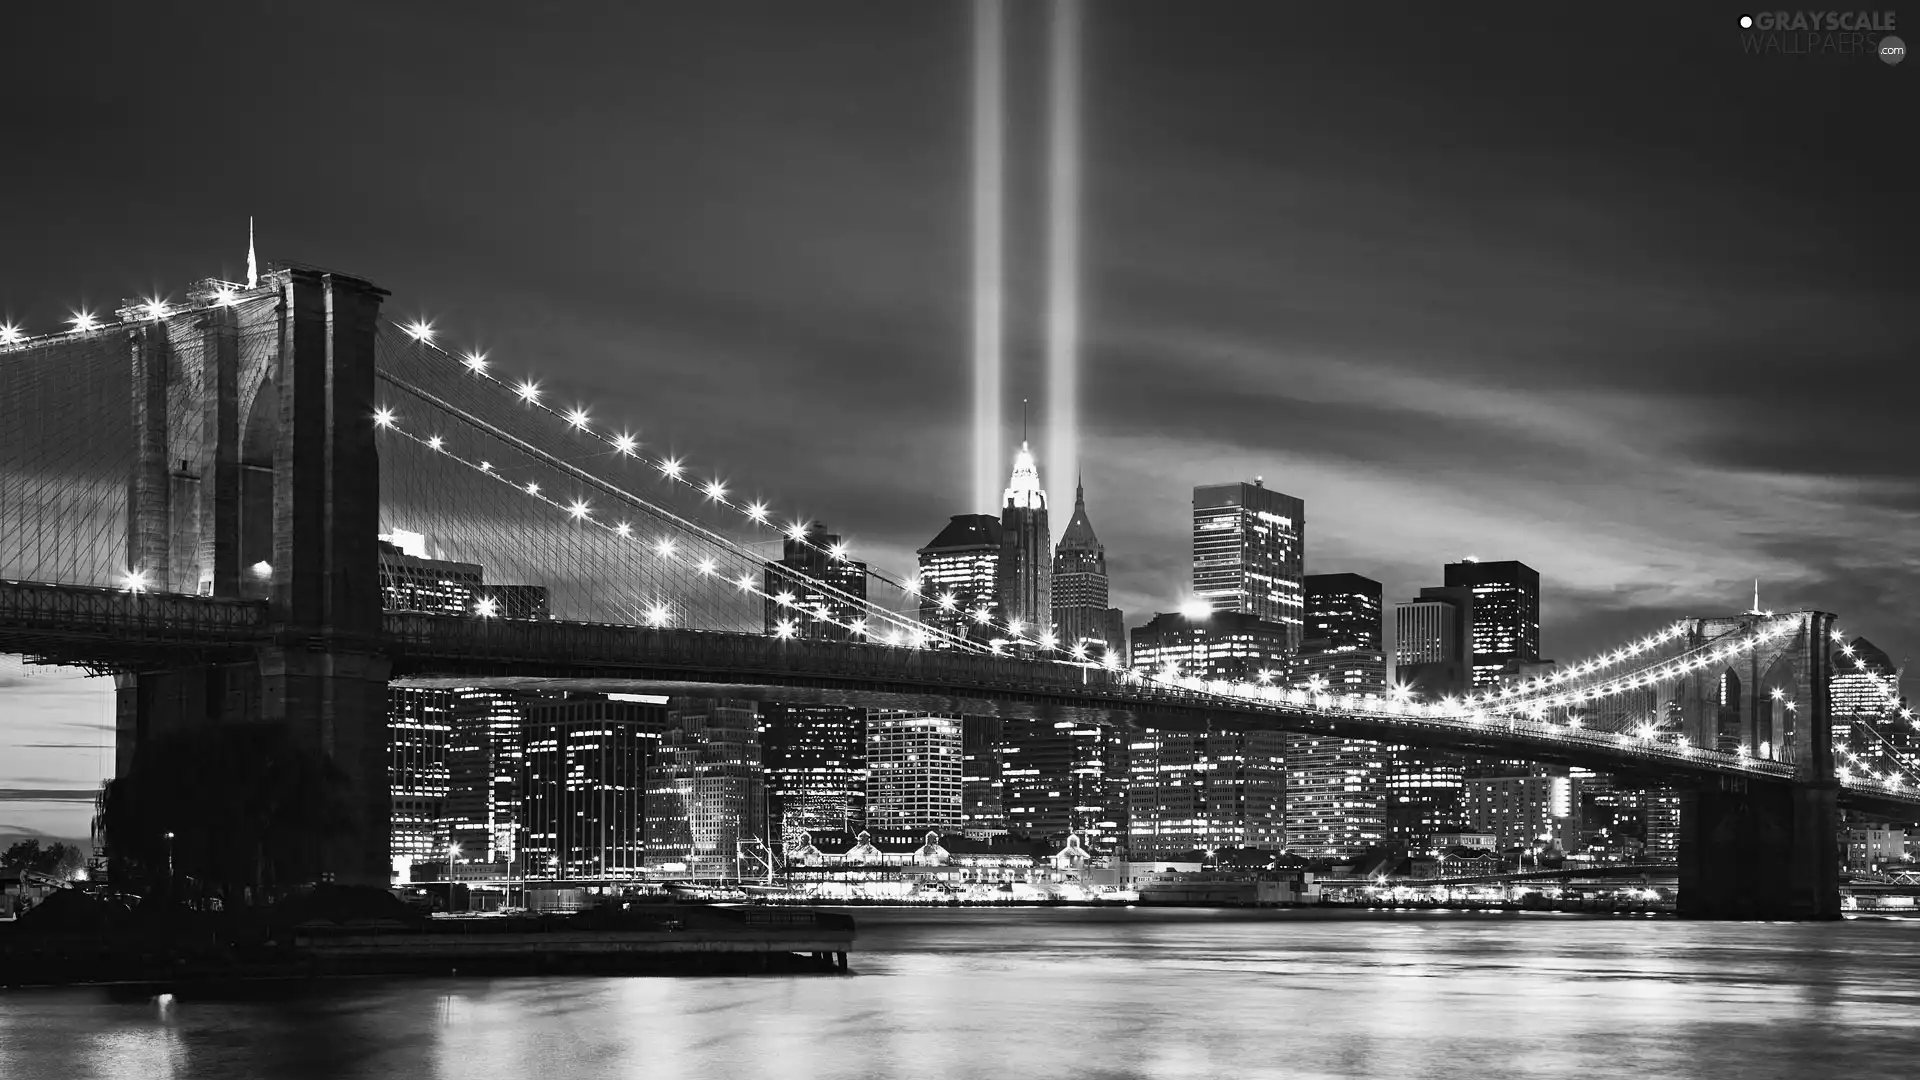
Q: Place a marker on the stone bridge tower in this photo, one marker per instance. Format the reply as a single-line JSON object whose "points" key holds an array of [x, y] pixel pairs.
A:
{"points": [[253, 479]]}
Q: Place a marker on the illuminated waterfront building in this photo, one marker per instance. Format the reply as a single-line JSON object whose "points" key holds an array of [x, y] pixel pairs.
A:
{"points": [[914, 771], [1025, 570], [1505, 614], [1202, 791], [1526, 812], [816, 767], [487, 746], [706, 804], [960, 576], [815, 588], [419, 728], [1336, 788], [1061, 778], [983, 806], [583, 813], [1248, 554], [1081, 588]]}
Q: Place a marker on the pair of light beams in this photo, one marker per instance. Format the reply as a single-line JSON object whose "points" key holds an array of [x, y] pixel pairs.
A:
{"points": [[1063, 207]]}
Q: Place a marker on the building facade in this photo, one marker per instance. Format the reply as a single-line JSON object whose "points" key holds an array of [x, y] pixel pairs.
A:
{"points": [[1532, 813], [1204, 791], [816, 767], [1026, 552], [1224, 645], [959, 579], [1061, 778], [584, 788], [706, 794], [1081, 591], [1506, 614], [419, 733], [914, 771], [1249, 545], [815, 590]]}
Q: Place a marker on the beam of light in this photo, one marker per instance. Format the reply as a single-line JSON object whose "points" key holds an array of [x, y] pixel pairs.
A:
{"points": [[989, 284], [1063, 240]]}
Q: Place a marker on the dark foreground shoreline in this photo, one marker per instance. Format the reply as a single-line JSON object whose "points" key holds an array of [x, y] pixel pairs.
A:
{"points": [[658, 939]]}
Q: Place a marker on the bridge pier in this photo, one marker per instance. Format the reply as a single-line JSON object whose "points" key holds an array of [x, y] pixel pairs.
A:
{"points": [[1770, 852]]}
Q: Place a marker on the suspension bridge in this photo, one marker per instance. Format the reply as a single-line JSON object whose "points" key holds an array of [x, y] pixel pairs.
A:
{"points": [[193, 496]]}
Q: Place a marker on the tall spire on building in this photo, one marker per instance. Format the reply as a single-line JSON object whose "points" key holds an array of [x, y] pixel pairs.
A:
{"points": [[253, 264], [1023, 489]]}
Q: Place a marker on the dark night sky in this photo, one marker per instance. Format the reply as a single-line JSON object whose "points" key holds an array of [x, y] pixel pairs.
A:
{"points": [[1593, 290]]}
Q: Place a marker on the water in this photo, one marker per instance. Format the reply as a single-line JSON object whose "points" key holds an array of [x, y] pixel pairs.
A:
{"points": [[1083, 993]]}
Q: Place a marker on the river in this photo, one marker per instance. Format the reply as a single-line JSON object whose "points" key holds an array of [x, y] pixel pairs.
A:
{"points": [[1082, 993]]}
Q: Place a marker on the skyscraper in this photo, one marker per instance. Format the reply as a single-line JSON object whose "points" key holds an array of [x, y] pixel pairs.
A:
{"points": [[419, 727], [816, 767], [1249, 547], [1433, 643], [1203, 791], [1224, 645], [1336, 789], [706, 793], [1856, 695], [913, 771], [1063, 777], [584, 787], [960, 577], [1080, 587], [814, 588], [487, 746], [1025, 573], [1506, 614]]}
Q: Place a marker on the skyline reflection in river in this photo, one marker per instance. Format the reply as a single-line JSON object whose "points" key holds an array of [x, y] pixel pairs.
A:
{"points": [[1081, 993]]}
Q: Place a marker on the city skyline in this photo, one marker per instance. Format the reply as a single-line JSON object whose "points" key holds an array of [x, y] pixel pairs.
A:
{"points": [[1208, 357]]}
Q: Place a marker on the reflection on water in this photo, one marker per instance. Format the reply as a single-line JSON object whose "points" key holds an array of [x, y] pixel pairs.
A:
{"points": [[1081, 993]]}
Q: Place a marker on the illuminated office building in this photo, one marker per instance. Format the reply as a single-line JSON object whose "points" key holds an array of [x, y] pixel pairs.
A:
{"points": [[419, 729], [815, 589], [584, 786], [706, 801], [1224, 645], [1062, 777], [1336, 786], [1204, 791], [485, 754], [1025, 570], [1505, 614], [914, 771], [1248, 554], [816, 768], [960, 577], [1080, 589]]}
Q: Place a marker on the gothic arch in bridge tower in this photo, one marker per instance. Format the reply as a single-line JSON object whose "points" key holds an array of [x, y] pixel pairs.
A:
{"points": [[1775, 708], [259, 435]]}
